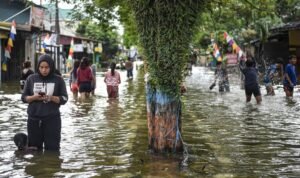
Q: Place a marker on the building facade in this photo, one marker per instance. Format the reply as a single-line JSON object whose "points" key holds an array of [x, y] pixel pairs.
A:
{"points": [[28, 19]]}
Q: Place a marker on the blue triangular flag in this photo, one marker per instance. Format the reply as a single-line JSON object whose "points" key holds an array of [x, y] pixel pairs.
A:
{"points": [[12, 36]]}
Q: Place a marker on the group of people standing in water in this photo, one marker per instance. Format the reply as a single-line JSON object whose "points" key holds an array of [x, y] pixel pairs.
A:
{"points": [[45, 91], [250, 77], [83, 79]]}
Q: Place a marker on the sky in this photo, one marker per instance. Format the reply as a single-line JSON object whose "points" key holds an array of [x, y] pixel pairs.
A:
{"points": [[64, 5]]}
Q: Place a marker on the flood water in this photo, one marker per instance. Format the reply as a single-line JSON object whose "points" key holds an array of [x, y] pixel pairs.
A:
{"points": [[223, 136]]}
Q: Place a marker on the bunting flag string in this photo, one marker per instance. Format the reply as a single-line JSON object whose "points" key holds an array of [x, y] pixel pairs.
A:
{"points": [[12, 34], [10, 44], [233, 44]]}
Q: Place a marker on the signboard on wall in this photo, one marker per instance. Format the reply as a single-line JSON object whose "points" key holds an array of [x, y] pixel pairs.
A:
{"points": [[231, 59], [294, 38], [37, 16], [78, 48]]}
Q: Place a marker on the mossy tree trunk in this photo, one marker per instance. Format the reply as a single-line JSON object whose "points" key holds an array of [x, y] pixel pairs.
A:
{"points": [[164, 123], [166, 29]]}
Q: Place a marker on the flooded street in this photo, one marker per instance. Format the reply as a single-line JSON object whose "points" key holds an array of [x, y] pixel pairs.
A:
{"points": [[224, 136]]}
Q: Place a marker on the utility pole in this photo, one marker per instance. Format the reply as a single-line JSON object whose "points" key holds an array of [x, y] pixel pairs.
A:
{"points": [[57, 31]]}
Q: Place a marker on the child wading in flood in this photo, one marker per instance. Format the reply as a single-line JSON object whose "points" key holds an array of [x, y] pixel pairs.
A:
{"points": [[73, 79], [290, 77], [268, 79], [112, 79], [85, 78], [251, 82], [273, 73]]}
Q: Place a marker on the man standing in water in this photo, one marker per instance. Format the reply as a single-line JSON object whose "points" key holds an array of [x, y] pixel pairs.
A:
{"points": [[251, 82], [129, 68], [290, 77]]}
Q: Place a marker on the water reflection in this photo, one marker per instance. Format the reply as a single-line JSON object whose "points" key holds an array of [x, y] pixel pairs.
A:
{"points": [[225, 137], [46, 164], [112, 112]]}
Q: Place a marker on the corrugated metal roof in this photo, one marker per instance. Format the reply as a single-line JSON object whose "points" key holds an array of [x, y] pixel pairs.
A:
{"points": [[286, 27], [9, 9]]}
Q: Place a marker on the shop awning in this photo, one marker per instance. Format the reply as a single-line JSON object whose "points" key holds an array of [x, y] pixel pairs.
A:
{"points": [[5, 26]]}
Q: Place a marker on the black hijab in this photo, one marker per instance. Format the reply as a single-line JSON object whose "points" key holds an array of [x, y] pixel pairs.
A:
{"points": [[49, 60]]}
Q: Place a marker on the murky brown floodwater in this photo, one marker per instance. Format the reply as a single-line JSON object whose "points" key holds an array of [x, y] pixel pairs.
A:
{"points": [[225, 137]]}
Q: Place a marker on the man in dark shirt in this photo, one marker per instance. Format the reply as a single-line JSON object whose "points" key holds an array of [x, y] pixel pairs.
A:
{"points": [[251, 82], [129, 68]]}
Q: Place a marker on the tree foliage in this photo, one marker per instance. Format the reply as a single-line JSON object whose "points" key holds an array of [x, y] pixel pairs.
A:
{"points": [[245, 20], [288, 10], [165, 29], [130, 37], [233, 16]]}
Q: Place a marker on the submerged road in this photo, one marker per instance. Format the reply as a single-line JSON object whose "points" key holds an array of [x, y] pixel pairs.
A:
{"points": [[224, 136]]}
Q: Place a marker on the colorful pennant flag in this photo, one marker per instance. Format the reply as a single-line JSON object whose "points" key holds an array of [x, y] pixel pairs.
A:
{"points": [[7, 52], [70, 56], [216, 52], [13, 29], [71, 50], [45, 43], [4, 67]]}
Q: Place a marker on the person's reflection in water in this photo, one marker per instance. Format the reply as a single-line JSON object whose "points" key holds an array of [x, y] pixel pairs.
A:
{"points": [[113, 111], [85, 107], [45, 164]]}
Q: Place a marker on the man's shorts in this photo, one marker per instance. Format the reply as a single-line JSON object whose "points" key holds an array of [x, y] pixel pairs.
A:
{"points": [[249, 90]]}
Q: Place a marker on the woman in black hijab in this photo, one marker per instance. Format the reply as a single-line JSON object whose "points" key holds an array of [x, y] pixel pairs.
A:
{"points": [[45, 91]]}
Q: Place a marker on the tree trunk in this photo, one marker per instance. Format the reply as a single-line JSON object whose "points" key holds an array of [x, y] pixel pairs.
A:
{"points": [[166, 29], [164, 122]]}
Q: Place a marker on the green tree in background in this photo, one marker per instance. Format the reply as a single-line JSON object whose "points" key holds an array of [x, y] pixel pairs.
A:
{"points": [[245, 20], [288, 10]]}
